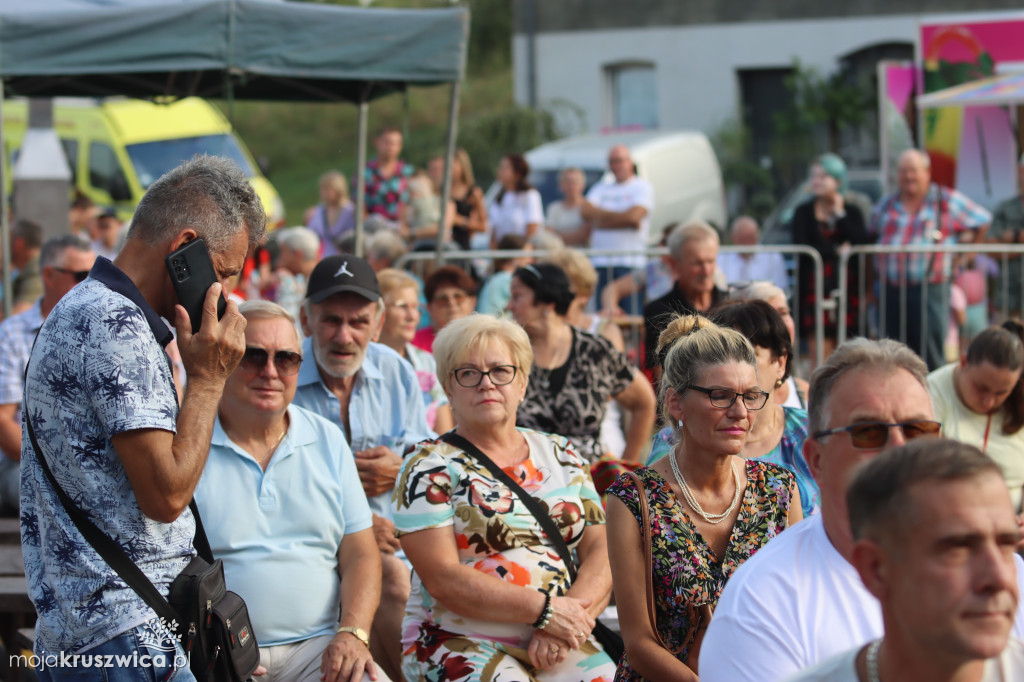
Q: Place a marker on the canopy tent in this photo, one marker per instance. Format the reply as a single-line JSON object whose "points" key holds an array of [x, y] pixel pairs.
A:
{"points": [[1001, 90], [244, 49]]}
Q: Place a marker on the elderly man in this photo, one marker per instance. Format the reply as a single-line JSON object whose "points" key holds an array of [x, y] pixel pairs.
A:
{"points": [[693, 248], [752, 266], [1008, 228], [935, 537], [618, 213], [102, 404], [299, 249], [283, 508], [799, 600], [916, 286], [64, 262], [374, 396]]}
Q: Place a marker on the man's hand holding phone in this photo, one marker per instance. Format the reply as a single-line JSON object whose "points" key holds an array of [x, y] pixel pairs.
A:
{"points": [[212, 353]]}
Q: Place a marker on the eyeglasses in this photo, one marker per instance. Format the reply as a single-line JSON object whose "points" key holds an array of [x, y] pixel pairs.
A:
{"points": [[470, 377], [723, 398], [287, 362], [874, 435], [79, 275]]}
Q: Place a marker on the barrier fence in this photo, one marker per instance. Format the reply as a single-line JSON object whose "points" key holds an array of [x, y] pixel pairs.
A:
{"points": [[656, 272], [894, 309]]}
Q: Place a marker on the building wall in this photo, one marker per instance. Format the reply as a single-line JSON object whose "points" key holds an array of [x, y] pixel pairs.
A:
{"points": [[696, 66]]}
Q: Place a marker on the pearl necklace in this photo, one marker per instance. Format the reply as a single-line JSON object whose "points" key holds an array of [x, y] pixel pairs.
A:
{"points": [[692, 501], [872, 660]]}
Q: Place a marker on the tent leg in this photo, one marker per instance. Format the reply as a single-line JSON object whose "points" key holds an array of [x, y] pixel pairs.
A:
{"points": [[364, 110], [449, 157], [5, 221]]}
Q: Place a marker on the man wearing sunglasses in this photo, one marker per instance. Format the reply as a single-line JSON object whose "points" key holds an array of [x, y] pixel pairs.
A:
{"points": [[64, 262], [373, 395], [282, 505], [800, 600]]}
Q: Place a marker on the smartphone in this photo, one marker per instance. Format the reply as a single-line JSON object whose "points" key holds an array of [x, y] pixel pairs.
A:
{"points": [[192, 274]]}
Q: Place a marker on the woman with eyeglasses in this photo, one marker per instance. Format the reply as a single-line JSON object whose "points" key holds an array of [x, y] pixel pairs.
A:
{"points": [[574, 372], [491, 599], [401, 295], [710, 509], [980, 400]]}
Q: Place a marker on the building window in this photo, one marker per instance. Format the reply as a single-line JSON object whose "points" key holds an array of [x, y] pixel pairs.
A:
{"points": [[634, 95]]}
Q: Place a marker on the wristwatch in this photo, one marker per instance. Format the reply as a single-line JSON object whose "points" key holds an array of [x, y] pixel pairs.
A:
{"points": [[359, 633]]}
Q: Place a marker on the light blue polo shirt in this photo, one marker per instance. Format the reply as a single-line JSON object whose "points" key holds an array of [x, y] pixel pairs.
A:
{"points": [[386, 406], [278, 531]]}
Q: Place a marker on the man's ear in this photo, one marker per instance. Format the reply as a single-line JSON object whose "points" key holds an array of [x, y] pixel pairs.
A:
{"points": [[304, 321], [813, 455], [182, 238], [872, 565]]}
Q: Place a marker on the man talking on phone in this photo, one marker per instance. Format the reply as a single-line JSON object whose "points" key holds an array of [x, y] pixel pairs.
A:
{"points": [[103, 407]]}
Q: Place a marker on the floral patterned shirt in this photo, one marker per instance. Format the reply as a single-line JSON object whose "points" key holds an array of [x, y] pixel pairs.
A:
{"points": [[386, 196], [687, 574], [440, 485]]}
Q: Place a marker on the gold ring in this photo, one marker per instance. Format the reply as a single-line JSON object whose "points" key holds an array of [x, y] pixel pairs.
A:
{"points": [[581, 635], [553, 649]]}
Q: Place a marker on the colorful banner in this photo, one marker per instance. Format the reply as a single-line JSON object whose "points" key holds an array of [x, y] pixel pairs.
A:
{"points": [[897, 115], [972, 148]]}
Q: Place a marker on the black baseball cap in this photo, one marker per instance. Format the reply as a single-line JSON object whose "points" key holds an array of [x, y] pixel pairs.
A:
{"points": [[340, 273]]}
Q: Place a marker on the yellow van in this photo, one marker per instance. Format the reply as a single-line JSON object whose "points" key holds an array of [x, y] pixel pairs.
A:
{"points": [[116, 148]]}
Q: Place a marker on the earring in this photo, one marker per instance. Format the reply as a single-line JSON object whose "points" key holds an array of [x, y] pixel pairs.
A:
{"points": [[778, 383], [679, 423]]}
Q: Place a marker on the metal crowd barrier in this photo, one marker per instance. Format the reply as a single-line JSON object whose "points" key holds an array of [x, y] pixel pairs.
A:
{"points": [[632, 325], [871, 317]]}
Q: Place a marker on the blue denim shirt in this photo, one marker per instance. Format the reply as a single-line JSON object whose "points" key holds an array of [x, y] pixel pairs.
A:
{"points": [[98, 369]]}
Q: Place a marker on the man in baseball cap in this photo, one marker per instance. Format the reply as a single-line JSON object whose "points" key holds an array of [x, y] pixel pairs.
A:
{"points": [[374, 396]]}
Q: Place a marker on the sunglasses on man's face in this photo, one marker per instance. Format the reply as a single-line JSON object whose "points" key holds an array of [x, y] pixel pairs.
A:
{"points": [[79, 275], [874, 435], [287, 362]]}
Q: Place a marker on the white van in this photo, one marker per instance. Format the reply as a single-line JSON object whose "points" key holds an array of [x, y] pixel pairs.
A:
{"points": [[681, 166]]}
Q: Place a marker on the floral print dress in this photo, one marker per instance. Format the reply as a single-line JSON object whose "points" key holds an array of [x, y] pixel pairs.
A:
{"points": [[440, 485], [687, 574]]}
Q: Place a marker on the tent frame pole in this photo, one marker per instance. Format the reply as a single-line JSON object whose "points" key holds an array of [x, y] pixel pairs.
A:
{"points": [[360, 248], [449, 158], [5, 219]]}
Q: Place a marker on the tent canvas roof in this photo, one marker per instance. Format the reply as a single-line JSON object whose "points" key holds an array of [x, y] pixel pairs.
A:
{"points": [[248, 49], [1001, 90]]}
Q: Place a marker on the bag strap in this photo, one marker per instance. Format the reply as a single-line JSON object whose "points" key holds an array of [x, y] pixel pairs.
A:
{"points": [[531, 502], [646, 540]]}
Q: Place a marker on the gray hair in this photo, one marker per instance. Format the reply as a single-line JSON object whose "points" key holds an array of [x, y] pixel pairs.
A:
{"points": [[52, 254], [209, 194], [922, 156], [857, 354], [544, 240], [385, 245], [301, 239], [695, 230], [267, 310], [759, 290], [879, 497]]}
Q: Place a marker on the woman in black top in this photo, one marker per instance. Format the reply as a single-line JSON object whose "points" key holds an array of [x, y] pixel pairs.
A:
{"points": [[826, 223], [470, 212]]}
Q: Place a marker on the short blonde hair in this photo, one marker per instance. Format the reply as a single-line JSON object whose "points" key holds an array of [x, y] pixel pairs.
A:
{"points": [[338, 183], [393, 279], [464, 335], [578, 268]]}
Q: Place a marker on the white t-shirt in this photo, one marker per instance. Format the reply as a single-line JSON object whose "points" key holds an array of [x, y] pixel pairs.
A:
{"points": [[514, 212], [795, 603], [1007, 667], [770, 267], [620, 197], [960, 423]]}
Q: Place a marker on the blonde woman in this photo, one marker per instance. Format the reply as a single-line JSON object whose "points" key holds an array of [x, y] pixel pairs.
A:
{"points": [[334, 217]]}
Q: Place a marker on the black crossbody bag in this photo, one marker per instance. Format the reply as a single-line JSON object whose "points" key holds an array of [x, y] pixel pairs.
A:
{"points": [[610, 640], [212, 622]]}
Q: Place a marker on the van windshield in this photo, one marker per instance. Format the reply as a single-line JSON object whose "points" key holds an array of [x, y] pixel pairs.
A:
{"points": [[546, 182], [153, 159]]}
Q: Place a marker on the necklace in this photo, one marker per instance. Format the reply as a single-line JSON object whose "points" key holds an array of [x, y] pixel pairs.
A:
{"points": [[692, 501], [872, 660]]}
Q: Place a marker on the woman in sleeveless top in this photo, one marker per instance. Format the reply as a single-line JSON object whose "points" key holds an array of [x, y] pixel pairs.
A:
{"points": [[334, 217]]}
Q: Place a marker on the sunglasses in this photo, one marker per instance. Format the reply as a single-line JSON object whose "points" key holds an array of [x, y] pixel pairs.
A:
{"points": [[874, 435], [79, 275], [287, 362]]}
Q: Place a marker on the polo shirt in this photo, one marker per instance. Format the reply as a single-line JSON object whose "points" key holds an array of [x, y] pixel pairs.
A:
{"points": [[385, 408], [98, 368], [278, 531]]}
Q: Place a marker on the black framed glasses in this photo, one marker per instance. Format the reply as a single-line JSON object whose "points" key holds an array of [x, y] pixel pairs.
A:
{"points": [[874, 435], [470, 377], [725, 398], [79, 275], [287, 362]]}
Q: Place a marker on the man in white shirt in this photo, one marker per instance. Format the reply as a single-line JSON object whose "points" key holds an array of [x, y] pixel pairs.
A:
{"points": [[799, 600], [754, 266], [618, 213], [935, 539]]}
